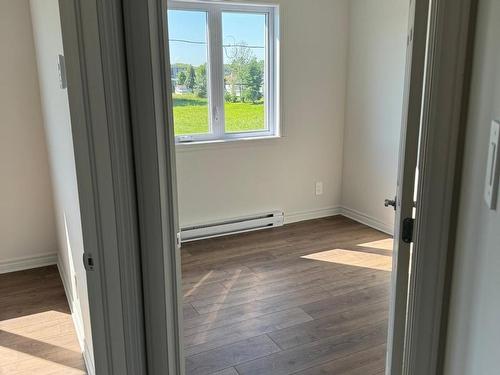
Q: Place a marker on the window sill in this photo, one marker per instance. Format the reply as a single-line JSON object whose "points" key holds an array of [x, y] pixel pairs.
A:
{"points": [[197, 145]]}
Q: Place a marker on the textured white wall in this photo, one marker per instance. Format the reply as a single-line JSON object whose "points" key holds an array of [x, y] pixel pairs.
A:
{"points": [[474, 331], [48, 43], [230, 180], [375, 83], [27, 224]]}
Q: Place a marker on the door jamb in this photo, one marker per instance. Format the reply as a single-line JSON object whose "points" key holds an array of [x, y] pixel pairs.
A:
{"points": [[154, 145], [98, 99]]}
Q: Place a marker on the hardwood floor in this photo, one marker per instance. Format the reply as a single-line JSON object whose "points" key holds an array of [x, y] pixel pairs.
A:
{"points": [[37, 335], [308, 298]]}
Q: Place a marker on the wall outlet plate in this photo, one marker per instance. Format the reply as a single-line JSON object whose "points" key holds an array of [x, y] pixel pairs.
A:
{"points": [[493, 167], [319, 188]]}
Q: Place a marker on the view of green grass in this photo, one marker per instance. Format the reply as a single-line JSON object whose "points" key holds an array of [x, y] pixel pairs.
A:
{"points": [[191, 115]]}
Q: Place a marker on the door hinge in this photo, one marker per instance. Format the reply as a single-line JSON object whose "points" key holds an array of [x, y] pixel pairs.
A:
{"points": [[407, 231], [88, 262]]}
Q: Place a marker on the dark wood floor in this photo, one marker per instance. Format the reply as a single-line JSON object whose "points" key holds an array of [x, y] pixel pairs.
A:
{"points": [[308, 298], [37, 335]]}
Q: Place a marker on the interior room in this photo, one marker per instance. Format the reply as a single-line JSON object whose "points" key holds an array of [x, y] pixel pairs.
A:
{"points": [[316, 170], [283, 169], [309, 160], [287, 123]]}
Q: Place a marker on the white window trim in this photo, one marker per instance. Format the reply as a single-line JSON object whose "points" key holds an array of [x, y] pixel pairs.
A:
{"points": [[214, 11]]}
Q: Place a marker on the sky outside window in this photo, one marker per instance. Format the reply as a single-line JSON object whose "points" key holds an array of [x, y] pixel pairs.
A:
{"points": [[187, 26]]}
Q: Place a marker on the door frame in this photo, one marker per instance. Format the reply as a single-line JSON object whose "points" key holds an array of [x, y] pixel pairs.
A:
{"points": [[124, 165], [125, 162], [102, 141]]}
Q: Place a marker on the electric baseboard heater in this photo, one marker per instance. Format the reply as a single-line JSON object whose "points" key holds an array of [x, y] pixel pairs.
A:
{"points": [[232, 226]]}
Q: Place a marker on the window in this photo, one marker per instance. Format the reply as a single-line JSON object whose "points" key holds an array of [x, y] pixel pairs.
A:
{"points": [[224, 70]]}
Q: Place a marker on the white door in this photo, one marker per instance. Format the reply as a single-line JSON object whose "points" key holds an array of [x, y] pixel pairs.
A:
{"points": [[404, 202]]}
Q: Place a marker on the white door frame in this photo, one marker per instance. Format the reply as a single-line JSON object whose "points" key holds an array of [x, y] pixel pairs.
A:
{"points": [[98, 99], [125, 161], [154, 154]]}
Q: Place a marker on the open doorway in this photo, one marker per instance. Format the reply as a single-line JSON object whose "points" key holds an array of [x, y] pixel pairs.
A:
{"points": [[295, 131], [44, 314]]}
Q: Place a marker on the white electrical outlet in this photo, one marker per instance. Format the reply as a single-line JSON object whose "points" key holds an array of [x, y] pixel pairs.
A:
{"points": [[319, 188], [492, 167]]}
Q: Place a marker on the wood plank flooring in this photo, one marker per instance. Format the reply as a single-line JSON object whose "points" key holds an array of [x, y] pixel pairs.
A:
{"points": [[37, 335], [308, 298]]}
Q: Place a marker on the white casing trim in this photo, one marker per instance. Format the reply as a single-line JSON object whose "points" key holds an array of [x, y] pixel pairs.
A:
{"points": [[25, 263]]}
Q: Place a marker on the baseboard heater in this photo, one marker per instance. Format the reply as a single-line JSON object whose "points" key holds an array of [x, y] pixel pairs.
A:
{"points": [[232, 226]]}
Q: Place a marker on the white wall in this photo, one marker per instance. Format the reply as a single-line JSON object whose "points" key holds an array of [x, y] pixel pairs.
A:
{"points": [[27, 224], [343, 78], [48, 43], [474, 330], [376, 68], [230, 180]]}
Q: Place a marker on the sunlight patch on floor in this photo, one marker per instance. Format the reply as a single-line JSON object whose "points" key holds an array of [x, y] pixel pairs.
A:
{"points": [[353, 258], [197, 285], [28, 346], [385, 244]]}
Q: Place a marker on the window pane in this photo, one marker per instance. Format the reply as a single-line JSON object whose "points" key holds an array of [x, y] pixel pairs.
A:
{"points": [[244, 44], [189, 71]]}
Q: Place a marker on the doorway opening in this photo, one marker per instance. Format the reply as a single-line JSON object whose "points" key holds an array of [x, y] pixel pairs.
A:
{"points": [[287, 141]]}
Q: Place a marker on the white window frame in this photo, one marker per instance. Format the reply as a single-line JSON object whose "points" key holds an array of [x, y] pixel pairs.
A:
{"points": [[215, 69]]}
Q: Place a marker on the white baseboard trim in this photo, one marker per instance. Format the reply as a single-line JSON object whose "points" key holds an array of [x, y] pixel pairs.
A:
{"points": [[77, 321], [295, 217], [367, 220], [26, 263]]}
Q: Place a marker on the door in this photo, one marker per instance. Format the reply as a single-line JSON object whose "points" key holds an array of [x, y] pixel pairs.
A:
{"points": [[404, 202]]}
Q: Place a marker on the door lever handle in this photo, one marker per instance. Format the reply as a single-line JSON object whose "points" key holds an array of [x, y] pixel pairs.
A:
{"points": [[390, 202]]}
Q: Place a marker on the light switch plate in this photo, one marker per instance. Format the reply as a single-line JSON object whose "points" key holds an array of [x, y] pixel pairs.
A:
{"points": [[493, 167]]}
